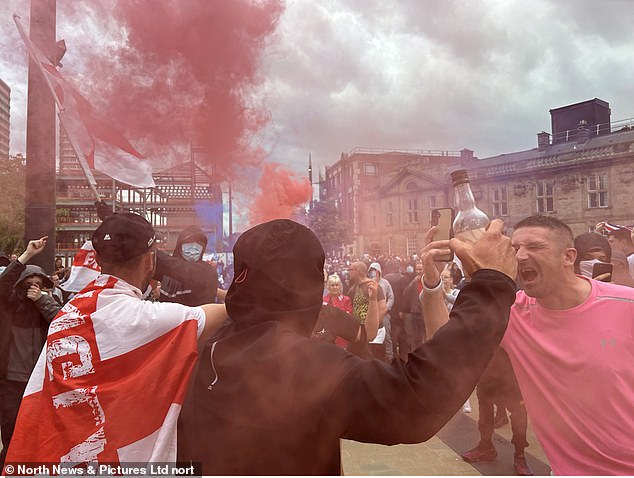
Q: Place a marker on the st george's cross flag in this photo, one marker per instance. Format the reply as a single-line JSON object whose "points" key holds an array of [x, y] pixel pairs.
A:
{"points": [[83, 271], [97, 144], [110, 382]]}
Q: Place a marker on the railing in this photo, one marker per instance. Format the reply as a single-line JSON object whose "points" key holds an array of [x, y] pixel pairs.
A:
{"points": [[421, 152], [595, 130]]}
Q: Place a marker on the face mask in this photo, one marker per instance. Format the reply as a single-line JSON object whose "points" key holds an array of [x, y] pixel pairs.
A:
{"points": [[409, 269], [192, 251], [587, 266], [372, 274]]}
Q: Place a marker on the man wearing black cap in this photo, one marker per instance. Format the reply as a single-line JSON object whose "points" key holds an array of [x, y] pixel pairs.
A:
{"points": [[270, 401], [25, 312], [110, 384]]}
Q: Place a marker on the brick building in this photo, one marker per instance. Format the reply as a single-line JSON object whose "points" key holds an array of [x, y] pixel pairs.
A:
{"points": [[583, 176]]}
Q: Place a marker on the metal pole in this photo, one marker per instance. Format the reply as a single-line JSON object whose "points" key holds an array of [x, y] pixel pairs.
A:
{"points": [[230, 213], [40, 140]]}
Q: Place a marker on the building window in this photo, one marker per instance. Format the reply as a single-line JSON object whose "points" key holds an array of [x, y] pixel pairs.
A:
{"points": [[390, 214], [500, 204], [545, 197], [598, 190], [432, 201], [370, 169], [411, 246], [412, 212]]}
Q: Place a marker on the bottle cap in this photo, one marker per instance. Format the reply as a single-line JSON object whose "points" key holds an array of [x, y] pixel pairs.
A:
{"points": [[459, 176]]}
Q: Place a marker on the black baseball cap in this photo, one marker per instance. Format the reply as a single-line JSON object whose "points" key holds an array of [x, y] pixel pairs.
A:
{"points": [[123, 236]]}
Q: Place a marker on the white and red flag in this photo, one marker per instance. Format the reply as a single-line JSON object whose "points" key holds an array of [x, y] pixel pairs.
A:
{"points": [[97, 144], [110, 382], [84, 269]]}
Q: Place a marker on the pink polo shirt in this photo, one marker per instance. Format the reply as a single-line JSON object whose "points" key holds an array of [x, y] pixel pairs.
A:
{"points": [[575, 368]]}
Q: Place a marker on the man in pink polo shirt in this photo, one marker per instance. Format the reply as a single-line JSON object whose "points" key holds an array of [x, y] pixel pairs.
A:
{"points": [[571, 343]]}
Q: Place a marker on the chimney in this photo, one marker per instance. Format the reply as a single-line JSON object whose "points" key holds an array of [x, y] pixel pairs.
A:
{"points": [[466, 154], [583, 132], [543, 141]]}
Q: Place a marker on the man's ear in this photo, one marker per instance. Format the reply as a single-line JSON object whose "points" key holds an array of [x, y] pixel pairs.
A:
{"points": [[570, 255]]}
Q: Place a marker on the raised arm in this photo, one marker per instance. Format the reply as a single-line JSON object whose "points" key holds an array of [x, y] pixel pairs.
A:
{"points": [[432, 297], [416, 399], [33, 249], [374, 306]]}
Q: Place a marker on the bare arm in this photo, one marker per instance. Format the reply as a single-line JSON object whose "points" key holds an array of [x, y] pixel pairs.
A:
{"points": [[374, 306], [435, 313], [33, 249], [215, 316]]}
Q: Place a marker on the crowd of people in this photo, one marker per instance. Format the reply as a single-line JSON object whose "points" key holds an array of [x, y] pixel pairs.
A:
{"points": [[153, 361]]}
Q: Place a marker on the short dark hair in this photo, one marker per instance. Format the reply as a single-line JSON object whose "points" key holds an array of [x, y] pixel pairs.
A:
{"points": [[549, 222]]}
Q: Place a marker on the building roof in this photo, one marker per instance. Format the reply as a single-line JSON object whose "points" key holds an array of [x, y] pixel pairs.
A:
{"points": [[556, 155]]}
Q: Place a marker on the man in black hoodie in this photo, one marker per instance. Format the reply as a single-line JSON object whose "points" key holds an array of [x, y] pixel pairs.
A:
{"points": [[25, 312], [270, 401], [185, 278]]}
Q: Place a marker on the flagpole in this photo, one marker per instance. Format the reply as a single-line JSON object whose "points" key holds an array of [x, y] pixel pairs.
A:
{"points": [[89, 177]]}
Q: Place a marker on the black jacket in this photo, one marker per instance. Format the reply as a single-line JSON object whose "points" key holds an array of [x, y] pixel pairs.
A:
{"points": [[184, 282], [29, 319], [270, 401], [188, 283]]}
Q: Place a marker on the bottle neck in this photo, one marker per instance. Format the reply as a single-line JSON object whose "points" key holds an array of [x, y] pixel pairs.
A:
{"points": [[464, 197]]}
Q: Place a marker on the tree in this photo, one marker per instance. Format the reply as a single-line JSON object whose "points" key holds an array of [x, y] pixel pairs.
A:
{"points": [[330, 230], [11, 204]]}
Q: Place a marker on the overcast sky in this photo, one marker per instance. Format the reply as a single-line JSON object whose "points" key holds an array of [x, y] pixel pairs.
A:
{"points": [[411, 74]]}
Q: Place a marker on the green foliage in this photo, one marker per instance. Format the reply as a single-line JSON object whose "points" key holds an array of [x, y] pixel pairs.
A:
{"points": [[11, 204], [331, 231]]}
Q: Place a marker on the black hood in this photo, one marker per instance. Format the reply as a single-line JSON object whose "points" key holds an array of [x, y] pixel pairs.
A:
{"points": [[278, 276], [30, 270], [190, 234]]}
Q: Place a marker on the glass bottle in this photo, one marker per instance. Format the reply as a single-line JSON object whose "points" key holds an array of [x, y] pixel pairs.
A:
{"points": [[470, 222]]}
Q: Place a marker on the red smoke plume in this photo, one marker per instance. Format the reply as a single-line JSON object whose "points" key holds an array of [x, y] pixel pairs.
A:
{"points": [[179, 72], [280, 196]]}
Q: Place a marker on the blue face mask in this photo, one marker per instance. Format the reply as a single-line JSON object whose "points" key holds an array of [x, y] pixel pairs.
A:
{"points": [[409, 269], [192, 251]]}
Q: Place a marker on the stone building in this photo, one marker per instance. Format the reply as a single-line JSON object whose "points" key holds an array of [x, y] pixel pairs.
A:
{"points": [[584, 175]]}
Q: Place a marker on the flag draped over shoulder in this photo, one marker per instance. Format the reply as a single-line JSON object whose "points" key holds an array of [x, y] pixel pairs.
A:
{"points": [[110, 382], [97, 144], [83, 271]]}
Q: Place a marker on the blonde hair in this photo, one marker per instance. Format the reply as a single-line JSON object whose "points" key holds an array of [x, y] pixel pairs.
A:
{"points": [[335, 278]]}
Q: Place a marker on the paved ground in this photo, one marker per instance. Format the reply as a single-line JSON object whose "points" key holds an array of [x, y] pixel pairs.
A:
{"points": [[440, 456]]}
